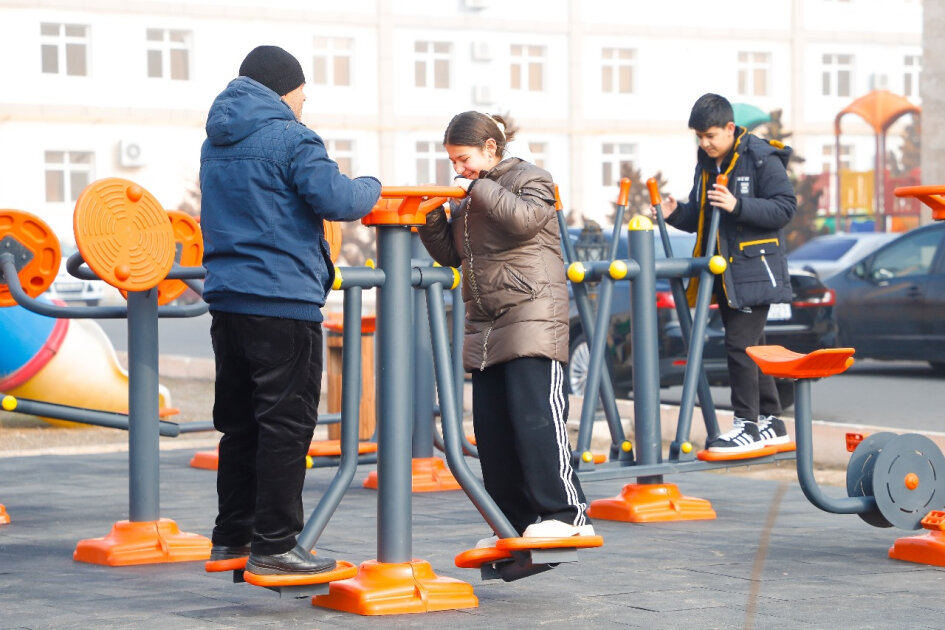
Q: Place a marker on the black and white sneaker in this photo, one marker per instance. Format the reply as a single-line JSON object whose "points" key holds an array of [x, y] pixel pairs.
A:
{"points": [[742, 438], [772, 430]]}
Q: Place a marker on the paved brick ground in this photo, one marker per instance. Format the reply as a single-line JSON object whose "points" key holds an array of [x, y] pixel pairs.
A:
{"points": [[770, 560]]}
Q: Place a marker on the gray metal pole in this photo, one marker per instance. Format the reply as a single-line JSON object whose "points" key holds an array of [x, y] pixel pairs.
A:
{"points": [[394, 387], [143, 419], [423, 394], [643, 323], [350, 402]]}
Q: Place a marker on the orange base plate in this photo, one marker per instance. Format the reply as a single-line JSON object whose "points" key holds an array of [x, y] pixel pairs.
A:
{"points": [[646, 503], [923, 549], [430, 474], [343, 571], [4, 517], [397, 588], [332, 448], [206, 460], [143, 542]]}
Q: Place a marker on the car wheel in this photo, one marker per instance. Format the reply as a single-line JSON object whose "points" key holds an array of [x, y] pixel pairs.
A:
{"points": [[785, 392], [579, 358], [938, 366]]}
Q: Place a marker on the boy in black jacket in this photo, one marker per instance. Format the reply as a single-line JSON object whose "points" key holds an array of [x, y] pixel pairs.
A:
{"points": [[757, 203]]}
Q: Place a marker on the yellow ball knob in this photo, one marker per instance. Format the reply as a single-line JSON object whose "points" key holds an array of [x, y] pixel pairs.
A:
{"points": [[717, 264], [686, 447], [587, 457], [576, 272], [8, 403], [337, 283], [618, 270], [640, 222], [370, 263], [456, 278], [309, 462], [626, 446]]}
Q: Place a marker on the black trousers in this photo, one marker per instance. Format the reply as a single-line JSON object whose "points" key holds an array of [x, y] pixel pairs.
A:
{"points": [[268, 384], [520, 410], [753, 393]]}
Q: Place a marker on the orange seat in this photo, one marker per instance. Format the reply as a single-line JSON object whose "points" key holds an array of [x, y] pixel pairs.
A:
{"points": [[779, 362]]}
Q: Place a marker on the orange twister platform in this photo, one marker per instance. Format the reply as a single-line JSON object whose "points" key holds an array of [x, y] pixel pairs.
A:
{"points": [[429, 474], [649, 503], [926, 548], [143, 542], [4, 517], [397, 588]]}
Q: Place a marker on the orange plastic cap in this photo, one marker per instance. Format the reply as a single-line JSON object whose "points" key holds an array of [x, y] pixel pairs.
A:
{"points": [[558, 205], [654, 187], [722, 179], [624, 197]]}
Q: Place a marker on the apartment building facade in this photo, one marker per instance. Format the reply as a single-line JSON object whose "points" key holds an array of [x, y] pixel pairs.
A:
{"points": [[121, 88]]}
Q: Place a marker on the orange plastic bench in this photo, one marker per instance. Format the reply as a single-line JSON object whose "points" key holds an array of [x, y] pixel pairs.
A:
{"points": [[779, 362]]}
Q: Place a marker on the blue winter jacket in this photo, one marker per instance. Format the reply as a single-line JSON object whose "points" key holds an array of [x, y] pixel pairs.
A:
{"points": [[266, 184]]}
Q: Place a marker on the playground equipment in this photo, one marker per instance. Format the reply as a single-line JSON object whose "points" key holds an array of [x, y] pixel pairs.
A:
{"points": [[126, 239], [891, 480]]}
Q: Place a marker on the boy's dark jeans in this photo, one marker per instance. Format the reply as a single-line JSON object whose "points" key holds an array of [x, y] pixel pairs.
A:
{"points": [[268, 384], [753, 393]]}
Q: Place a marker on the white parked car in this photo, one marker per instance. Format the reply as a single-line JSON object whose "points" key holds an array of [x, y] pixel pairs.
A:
{"points": [[830, 254], [70, 289]]}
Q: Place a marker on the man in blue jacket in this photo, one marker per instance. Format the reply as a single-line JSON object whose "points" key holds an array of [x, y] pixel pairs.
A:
{"points": [[755, 206], [267, 184]]}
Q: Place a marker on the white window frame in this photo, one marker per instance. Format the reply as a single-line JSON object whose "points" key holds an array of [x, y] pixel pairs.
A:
{"points": [[912, 73], [834, 67], [618, 69], [66, 40], [754, 72], [76, 169], [342, 151], [613, 156], [333, 51], [829, 165], [432, 163], [527, 64], [166, 47], [539, 151], [433, 59]]}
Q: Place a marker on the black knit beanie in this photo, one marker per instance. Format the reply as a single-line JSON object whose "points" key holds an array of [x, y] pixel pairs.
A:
{"points": [[273, 67]]}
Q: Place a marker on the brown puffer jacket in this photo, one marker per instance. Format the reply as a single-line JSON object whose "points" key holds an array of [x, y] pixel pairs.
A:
{"points": [[505, 235]]}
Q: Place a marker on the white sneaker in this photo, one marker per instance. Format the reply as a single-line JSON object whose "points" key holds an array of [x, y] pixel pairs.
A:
{"points": [[485, 543], [556, 529]]}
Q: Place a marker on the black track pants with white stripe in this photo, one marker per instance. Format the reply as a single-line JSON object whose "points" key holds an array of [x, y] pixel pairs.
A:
{"points": [[519, 413]]}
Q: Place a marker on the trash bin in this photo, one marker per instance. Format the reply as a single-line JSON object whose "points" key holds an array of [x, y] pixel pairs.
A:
{"points": [[334, 328]]}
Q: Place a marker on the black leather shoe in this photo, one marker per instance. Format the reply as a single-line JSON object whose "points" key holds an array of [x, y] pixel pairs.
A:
{"points": [[222, 552], [294, 561]]}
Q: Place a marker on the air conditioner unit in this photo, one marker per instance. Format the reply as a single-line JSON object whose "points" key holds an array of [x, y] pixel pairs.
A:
{"points": [[482, 94], [131, 154], [481, 51]]}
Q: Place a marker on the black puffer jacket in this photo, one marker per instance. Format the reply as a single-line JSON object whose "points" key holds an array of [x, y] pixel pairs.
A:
{"points": [[505, 235], [750, 238]]}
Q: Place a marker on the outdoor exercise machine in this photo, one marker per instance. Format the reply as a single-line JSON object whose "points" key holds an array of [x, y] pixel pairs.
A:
{"points": [[127, 239]]}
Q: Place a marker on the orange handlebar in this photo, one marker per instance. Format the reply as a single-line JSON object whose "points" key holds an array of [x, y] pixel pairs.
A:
{"points": [[624, 197], [558, 205], [409, 205], [394, 192], [654, 187], [722, 179], [932, 196]]}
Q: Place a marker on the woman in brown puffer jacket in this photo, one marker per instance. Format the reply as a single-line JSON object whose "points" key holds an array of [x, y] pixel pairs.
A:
{"points": [[504, 234]]}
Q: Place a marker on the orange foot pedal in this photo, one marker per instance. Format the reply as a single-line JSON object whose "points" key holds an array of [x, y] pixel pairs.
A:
{"points": [[926, 548], [230, 564], [302, 585], [516, 558], [649, 503]]}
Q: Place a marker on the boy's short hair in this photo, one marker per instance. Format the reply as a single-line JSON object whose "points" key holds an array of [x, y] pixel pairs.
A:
{"points": [[711, 110]]}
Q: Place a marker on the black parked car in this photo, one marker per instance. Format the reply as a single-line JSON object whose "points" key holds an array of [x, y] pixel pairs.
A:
{"points": [[891, 304], [803, 326]]}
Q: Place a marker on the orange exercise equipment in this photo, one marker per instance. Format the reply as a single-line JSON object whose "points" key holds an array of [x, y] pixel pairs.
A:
{"points": [[35, 249]]}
